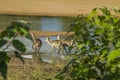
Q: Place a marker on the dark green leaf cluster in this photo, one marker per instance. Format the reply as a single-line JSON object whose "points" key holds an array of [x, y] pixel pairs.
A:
{"points": [[7, 38], [98, 42]]}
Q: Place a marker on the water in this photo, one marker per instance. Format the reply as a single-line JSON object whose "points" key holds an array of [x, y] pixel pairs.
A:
{"points": [[51, 24], [37, 23]]}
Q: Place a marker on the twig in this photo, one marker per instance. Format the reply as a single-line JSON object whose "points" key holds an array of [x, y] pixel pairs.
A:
{"points": [[10, 42]]}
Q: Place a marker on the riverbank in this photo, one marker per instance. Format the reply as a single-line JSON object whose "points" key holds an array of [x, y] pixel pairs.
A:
{"points": [[49, 33], [53, 7]]}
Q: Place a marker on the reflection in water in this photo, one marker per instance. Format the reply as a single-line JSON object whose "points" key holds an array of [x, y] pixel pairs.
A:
{"points": [[50, 24], [38, 23]]}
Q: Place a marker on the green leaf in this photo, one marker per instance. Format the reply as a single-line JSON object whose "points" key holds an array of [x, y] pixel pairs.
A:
{"points": [[4, 57], [117, 44], [28, 36], [113, 55], [105, 11], [17, 54], [10, 34], [99, 31], [23, 31], [11, 27], [116, 20], [3, 34], [3, 70], [2, 42], [92, 14], [19, 45]]}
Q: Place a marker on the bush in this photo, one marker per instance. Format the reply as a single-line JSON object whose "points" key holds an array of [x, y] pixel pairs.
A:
{"points": [[98, 42]]}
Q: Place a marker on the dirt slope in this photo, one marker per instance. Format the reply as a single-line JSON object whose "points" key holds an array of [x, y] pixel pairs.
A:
{"points": [[53, 7]]}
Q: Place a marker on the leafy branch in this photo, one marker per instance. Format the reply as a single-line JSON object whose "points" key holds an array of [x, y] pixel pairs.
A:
{"points": [[98, 40], [7, 38]]}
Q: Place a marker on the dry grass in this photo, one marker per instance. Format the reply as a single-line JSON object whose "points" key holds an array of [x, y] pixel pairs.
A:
{"points": [[31, 70], [53, 7]]}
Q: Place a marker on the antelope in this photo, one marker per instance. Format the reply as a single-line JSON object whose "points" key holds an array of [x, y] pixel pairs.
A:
{"points": [[65, 43], [54, 44], [37, 43]]}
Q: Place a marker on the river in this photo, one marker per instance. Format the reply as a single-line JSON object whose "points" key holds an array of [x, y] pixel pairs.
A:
{"points": [[43, 23]]}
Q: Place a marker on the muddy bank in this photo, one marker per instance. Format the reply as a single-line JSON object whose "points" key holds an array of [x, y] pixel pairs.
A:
{"points": [[49, 33]]}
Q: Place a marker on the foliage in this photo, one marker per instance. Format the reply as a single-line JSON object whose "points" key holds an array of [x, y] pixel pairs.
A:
{"points": [[98, 42], [7, 38]]}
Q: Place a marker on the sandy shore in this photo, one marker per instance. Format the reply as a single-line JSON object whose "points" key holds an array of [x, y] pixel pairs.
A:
{"points": [[49, 33], [53, 7]]}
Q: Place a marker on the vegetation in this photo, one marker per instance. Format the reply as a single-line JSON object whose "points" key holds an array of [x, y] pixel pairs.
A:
{"points": [[14, 67], [97, 57], [30, 70], [97, 54], [7, 38]]}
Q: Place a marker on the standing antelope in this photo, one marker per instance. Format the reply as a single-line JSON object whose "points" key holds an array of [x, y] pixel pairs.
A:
{"points": [[54, 44], [65, 43], [37, 43]]}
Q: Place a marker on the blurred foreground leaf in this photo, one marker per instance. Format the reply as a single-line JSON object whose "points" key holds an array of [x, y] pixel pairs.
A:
{"points": [[114, 54], [19, 45]]}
